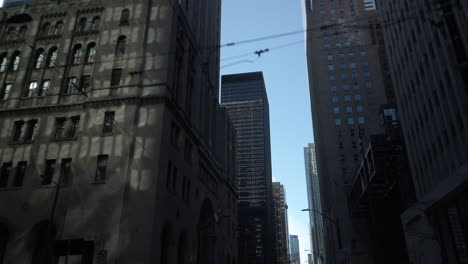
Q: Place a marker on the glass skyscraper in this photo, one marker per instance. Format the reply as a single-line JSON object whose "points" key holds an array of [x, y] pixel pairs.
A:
{"points": [[245, 98]]}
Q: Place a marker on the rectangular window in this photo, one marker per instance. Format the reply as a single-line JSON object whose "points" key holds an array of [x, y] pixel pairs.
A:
{"points": [[85, 83], [336, 110], [349, 109], [71, 85], [343, 66], [30, 130], [368, 85], [337, 45], [338, 122], [344, 76], [356, 86], [18, 130], [20, 173], [346, 87], [365, 64], [48, 172], [175, 134], [366, 75], [351, 54], [363, 53], [347, 98], [341, 55], [350, 121], [65, 171], [45, 88], [359, 108], [335, 99], [333, 88], [331, 67], [108, 122], [116, 76], [361, 120], [5, 174], [101, 168], [5, 93], [59, 127], [327, 46], [75, 123], [32, 90], [354, 75], [357, 97], [330, 57], [332, 77], [188, 151]]}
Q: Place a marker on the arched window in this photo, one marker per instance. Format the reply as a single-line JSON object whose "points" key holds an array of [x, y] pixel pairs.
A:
{"points": [[3, 240], [90, 52], [58, 29], [15, 61], [77, 53], [51, 57], [81, 25], [39, 58], [95, 23], [125, 17], [22, 32], [11, 34], [3, 62], [45, 30], [120, 47]]}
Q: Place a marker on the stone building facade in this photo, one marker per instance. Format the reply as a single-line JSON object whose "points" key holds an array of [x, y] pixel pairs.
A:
{"points": [[281, 223], [113, 147]]}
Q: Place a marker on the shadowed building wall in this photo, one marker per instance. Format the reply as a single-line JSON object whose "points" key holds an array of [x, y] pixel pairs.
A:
{"points": [[118, 100]]}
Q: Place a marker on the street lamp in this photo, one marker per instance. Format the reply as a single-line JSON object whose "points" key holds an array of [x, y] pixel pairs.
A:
{"points": [[335, 222]]}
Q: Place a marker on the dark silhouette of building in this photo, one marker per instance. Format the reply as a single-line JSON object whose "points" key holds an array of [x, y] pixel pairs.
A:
{"points": [[383, 189], [348, 84], [245, 98], [427, 46], [281, 224], [113, 146]]}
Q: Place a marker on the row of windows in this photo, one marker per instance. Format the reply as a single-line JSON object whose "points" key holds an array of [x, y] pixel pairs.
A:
{"points": [[352, 65], [40, 89], [347, 98], [337, 35], [348, 109], [49, 175], [171, 182], [64, 128], [347, 87], [350, 120], [354, 76], [351, 55], [47, 29]]}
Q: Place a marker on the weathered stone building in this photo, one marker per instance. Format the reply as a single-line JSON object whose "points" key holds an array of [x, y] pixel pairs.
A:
{"points": [[116, 102]]}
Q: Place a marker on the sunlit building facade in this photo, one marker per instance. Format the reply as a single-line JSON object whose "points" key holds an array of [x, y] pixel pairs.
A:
{"points": [[113, 147]]}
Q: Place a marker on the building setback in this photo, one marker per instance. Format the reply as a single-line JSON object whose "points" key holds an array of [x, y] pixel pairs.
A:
{"points": [[347, 89], [428, 58], [294, 247], [106, 100], [281, 224], [315, 206], [245, 98]]}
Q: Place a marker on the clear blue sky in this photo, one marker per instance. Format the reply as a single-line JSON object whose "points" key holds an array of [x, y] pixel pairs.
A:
{"points": [[285, 74]]}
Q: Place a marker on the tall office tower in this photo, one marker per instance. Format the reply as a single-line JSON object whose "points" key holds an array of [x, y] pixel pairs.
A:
{"points": [[294, 247], [281, 224], [316, 219], [347, 88], [113, 148], [245, 98], [427, 44]]}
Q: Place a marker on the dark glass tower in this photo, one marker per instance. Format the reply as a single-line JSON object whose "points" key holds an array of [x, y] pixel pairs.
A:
{"points": [[244, 96]]}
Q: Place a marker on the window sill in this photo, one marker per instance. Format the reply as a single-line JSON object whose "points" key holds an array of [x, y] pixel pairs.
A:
{"points": [[64, 139], [26, 142]]}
